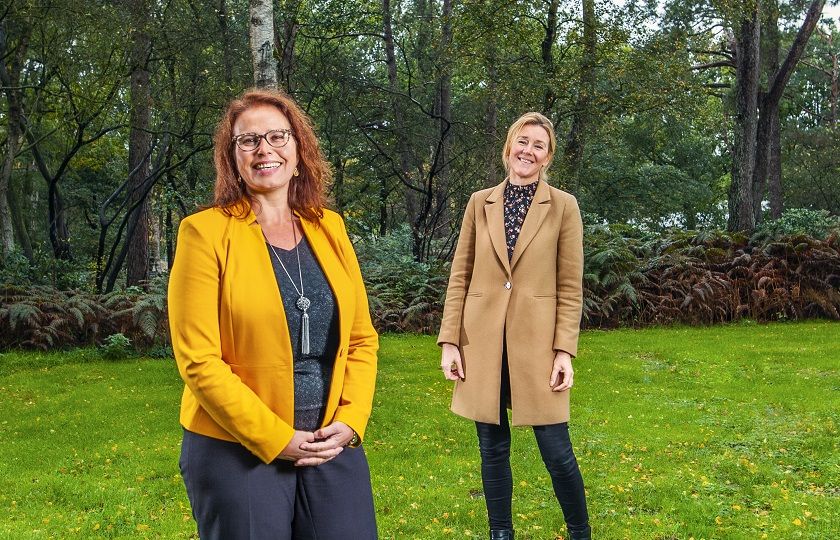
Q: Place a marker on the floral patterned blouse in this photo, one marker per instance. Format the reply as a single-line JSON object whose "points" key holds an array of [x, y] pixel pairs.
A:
{"points": [[517, 202]]}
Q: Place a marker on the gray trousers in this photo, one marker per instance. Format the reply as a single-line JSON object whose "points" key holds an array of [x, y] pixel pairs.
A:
{"points": [[235, 496]]}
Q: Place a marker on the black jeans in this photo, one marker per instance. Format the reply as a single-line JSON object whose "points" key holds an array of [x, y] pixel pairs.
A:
{"points": [[558, 456]]}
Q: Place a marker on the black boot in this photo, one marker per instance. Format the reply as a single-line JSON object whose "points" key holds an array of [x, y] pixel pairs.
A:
{"points": [[501, 534], [587, 535]]}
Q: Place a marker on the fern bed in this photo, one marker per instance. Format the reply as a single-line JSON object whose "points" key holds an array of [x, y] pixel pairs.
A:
{"points": [[719, 432]]}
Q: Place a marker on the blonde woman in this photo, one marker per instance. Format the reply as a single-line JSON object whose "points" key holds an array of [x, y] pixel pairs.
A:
{"points": [[511, 322]]}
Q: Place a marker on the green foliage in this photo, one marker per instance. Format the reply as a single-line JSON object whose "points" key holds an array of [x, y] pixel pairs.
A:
{"points": [[799, 222], [140, 314], [404, 295], [116, 347], [631, 278], [44, 270], [708, 277], [42, 317]]}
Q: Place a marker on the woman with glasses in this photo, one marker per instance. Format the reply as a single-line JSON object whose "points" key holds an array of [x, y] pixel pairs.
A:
{"points": [[511, 322], [273, 338]]}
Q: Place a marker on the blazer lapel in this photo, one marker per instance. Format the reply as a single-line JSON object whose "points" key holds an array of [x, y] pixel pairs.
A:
{"points": [[325, 250], [494, 211], [536, 214]]}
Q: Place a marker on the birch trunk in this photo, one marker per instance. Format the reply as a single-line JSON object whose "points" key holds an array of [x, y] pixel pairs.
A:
{"points": [[262, 43]]}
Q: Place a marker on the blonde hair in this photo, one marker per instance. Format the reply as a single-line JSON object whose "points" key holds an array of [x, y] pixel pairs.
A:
{"points": [[531, 119]]}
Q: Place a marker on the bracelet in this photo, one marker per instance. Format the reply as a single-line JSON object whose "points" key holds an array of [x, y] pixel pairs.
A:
{"points": [[355, 441]]}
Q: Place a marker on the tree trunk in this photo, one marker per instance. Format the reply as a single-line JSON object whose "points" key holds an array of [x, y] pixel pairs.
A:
{"points": [[835, 87], [291, 26], [7, 233], [227, 59], [338, 184], [491, 120], [741, 215], [769, 58], [581, 120], [10, 79], [139, 144], [262, 43], [777, 77], [170, 233], [444, 100], [17, 194], [774, 172], [547, 50], [399, 118]]}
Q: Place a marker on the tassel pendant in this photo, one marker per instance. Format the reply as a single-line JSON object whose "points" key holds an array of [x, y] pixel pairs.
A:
{"points": [[304, 334]]}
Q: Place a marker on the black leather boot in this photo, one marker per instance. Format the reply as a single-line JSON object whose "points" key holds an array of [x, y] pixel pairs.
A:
{"points": [[501, 534], [581, 535]]}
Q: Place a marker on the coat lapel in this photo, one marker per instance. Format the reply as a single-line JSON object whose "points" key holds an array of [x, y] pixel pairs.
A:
{"points": [[494, 211], [536, 214]]}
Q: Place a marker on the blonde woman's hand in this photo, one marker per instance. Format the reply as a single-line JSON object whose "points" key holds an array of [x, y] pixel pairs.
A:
{"points": [[562, 374], [299, 450], [450, 362]]}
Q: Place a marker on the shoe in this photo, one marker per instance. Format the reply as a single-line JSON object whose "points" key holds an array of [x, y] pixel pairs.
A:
{"points": [[501, 534], [581, 535]]}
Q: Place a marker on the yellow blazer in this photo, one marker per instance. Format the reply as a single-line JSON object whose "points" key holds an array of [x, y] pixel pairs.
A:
{"points": [[231, 340]]}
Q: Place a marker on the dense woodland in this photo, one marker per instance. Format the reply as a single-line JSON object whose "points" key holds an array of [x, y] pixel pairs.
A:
{"points": [[676, 120]]}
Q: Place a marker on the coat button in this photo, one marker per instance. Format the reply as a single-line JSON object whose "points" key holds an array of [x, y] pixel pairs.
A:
{"points": [[507, 285]]}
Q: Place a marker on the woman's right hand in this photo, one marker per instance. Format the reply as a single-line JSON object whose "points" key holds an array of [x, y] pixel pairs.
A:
{"points": [[293, 451], [450, 362]]}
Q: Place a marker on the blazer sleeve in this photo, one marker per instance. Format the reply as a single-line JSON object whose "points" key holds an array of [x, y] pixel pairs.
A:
{"points": [[356, 401], [459, 279], [569, 279], [194, 325]]}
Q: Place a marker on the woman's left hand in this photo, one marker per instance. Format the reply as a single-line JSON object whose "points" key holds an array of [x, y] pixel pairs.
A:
{"points": [[335, 435], [562, 374]]}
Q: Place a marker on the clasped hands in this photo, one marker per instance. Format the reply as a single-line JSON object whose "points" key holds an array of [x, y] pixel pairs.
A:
{"points": [[308, 448]]}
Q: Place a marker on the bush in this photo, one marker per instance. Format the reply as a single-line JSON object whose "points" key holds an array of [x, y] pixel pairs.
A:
{"points": [[45, 270], [116, 347], [404, 295], [630, 279], [42, 317], [817, 224]]}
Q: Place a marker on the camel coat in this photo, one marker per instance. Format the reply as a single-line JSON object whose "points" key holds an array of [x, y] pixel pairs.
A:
{"points": [[535, 299], [231, 341]]}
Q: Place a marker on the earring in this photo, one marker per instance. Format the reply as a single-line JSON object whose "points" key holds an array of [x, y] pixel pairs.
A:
{"points": [[296, 172]]}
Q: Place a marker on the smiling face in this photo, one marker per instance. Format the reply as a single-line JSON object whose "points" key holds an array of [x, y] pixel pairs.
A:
{"points": [[265, 169], [529, 153]]}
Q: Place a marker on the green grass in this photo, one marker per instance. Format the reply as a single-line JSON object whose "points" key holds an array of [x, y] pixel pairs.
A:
{"points": [[722, 432]]}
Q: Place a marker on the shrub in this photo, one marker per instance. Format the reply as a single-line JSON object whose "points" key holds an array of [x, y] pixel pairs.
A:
{"points": [[404, 295], [116, 347], [817, 224]]}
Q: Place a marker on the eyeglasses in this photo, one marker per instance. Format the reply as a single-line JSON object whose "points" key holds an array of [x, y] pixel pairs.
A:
{"points": [[276, 138]]}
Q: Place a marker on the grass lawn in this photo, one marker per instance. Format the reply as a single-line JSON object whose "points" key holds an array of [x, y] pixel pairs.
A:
{"points": [[723, 432]]}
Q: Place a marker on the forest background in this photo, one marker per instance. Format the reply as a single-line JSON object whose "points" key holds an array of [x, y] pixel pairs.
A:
{"points": [[700, 138]]}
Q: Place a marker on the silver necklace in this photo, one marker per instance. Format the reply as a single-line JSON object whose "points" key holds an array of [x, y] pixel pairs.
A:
{"points": [[302, 302]]}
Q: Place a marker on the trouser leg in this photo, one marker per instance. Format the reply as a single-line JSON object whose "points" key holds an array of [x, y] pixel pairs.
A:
{"points": [[496, 476], [234, 495], [494, 447], [559, 458], [335, 500]]}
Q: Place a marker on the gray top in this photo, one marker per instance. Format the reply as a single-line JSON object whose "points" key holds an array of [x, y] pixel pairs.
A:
{"points": [[314, 370]]}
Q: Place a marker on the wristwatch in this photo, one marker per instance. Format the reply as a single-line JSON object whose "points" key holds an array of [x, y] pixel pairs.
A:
{"points": [[355, 441]]}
